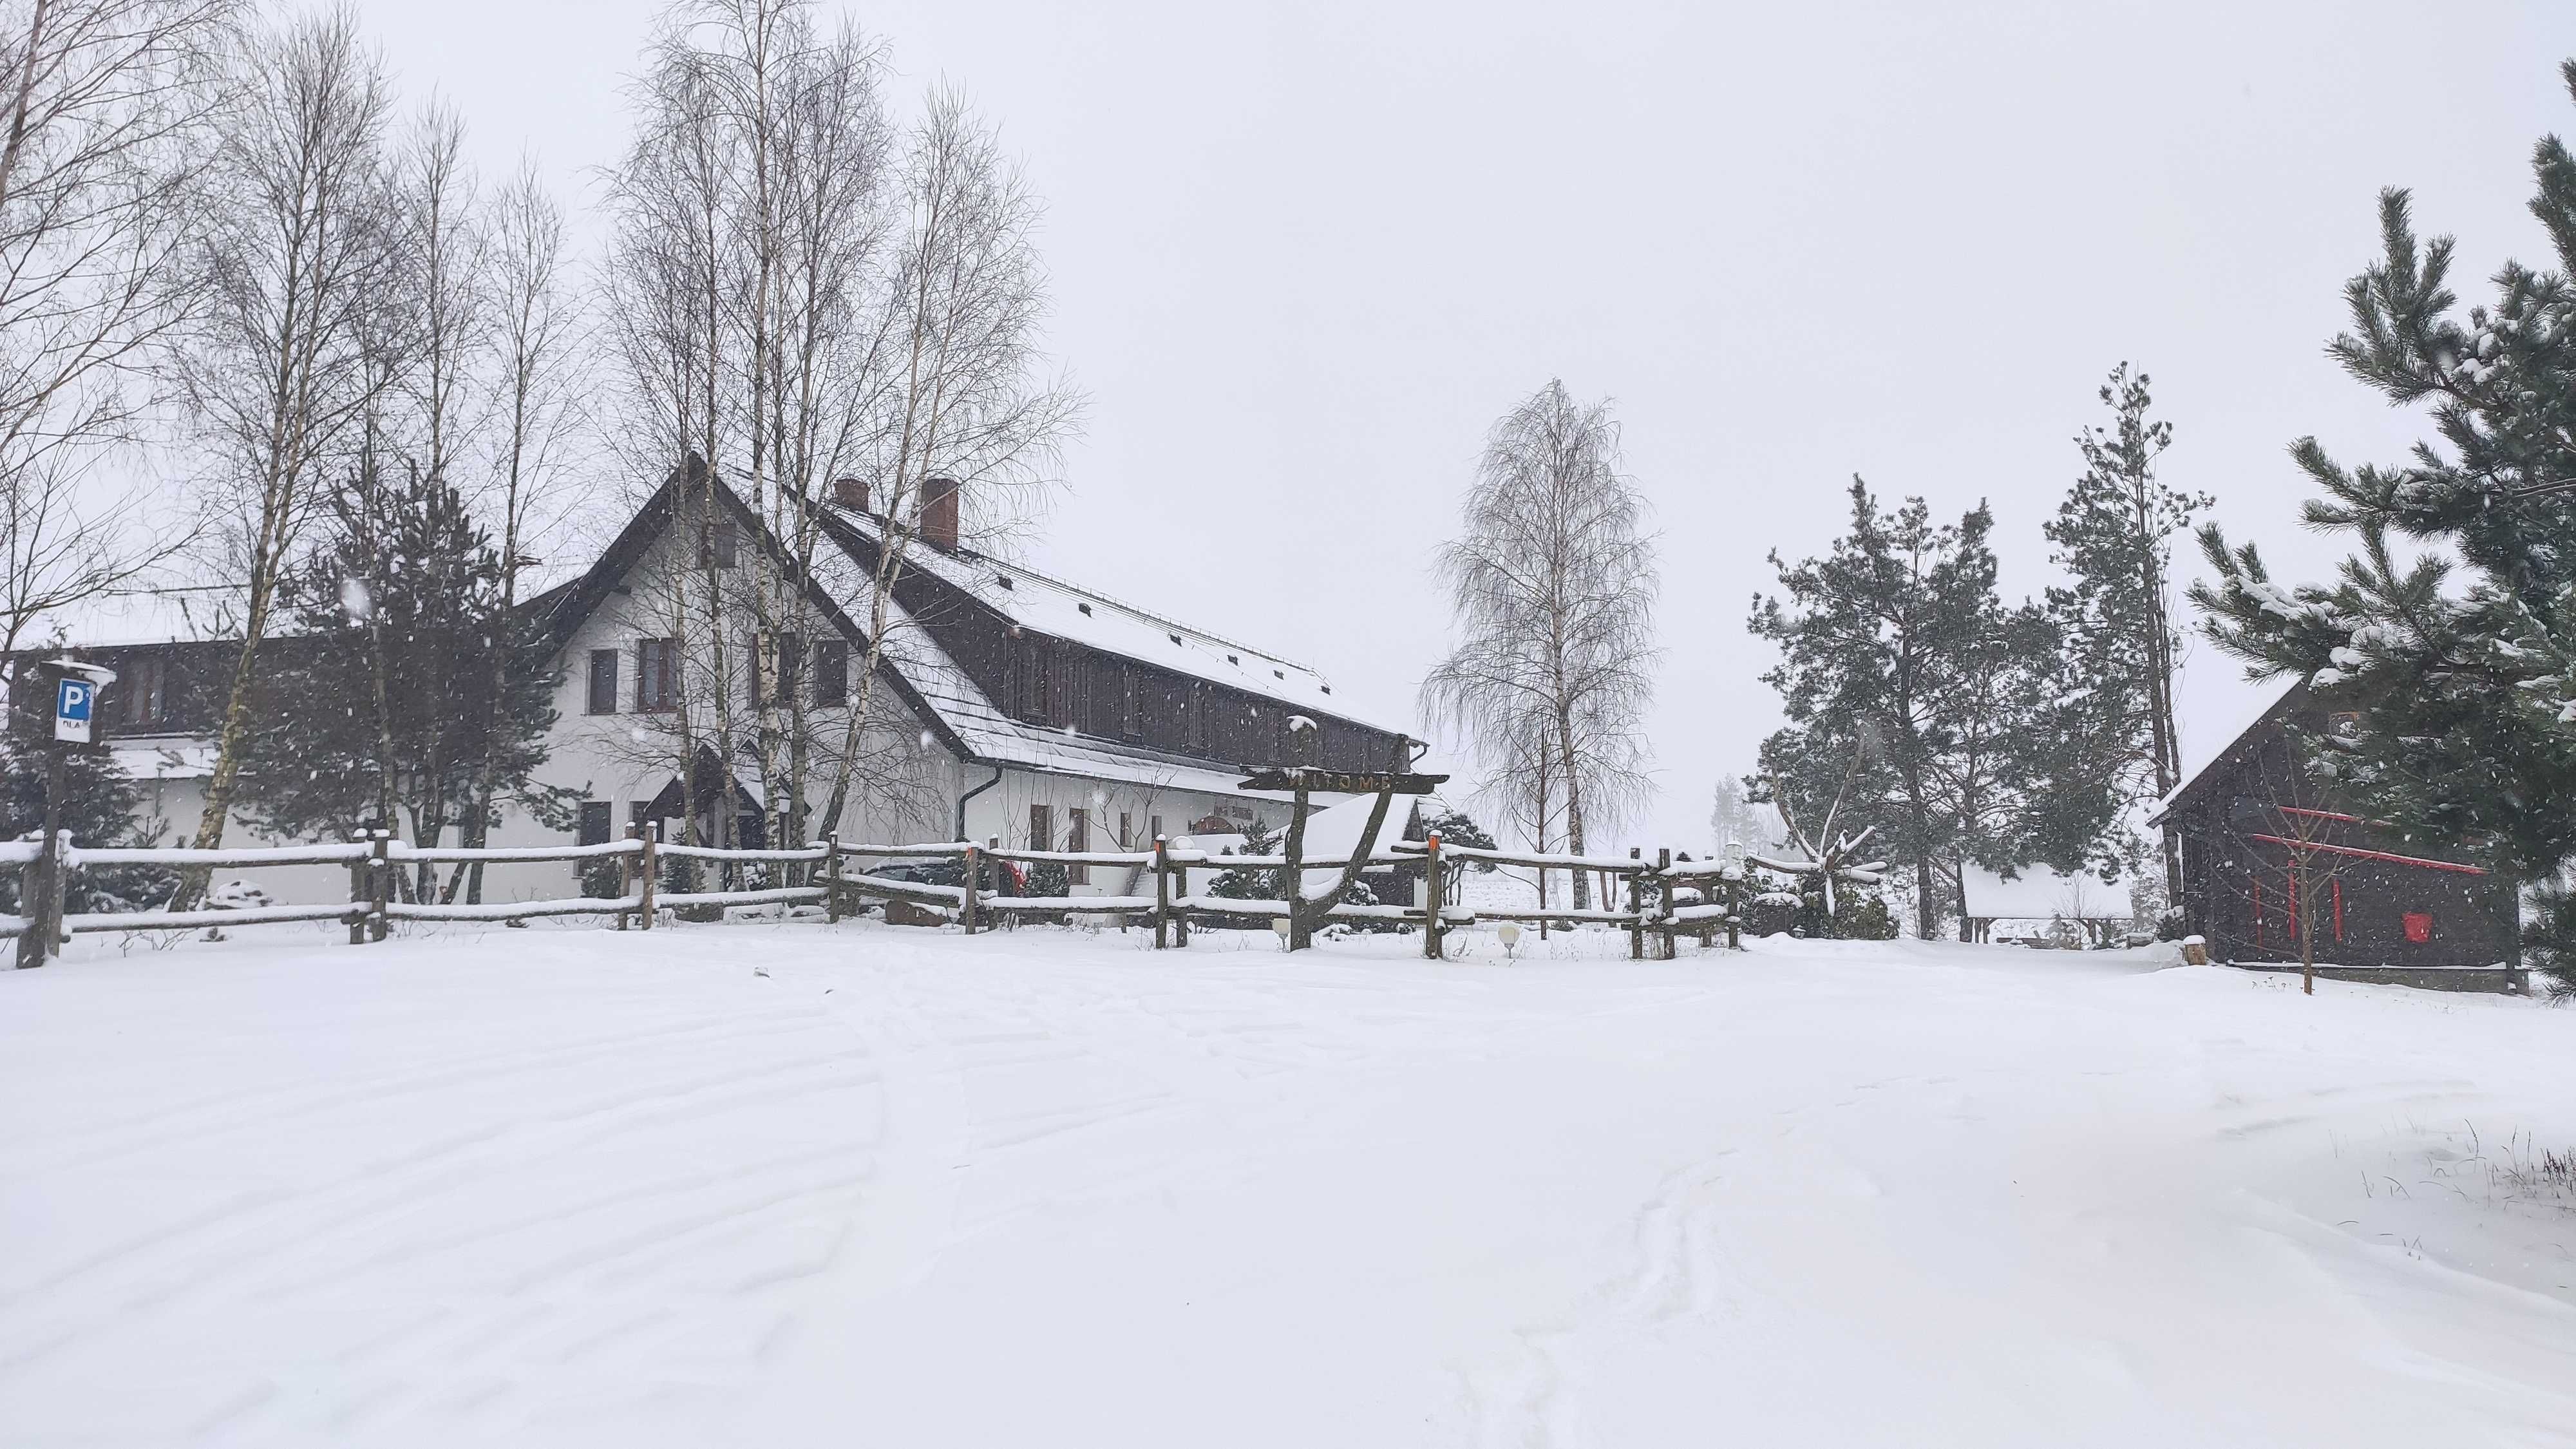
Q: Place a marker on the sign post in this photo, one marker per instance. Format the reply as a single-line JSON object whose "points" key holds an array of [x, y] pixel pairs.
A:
{"points": [[75, 686]]}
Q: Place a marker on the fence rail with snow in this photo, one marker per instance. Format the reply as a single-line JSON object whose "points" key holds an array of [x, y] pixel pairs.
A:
{"points": [[826, 874]]}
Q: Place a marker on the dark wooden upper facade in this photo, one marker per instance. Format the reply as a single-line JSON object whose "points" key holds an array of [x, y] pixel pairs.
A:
{"points": [[1045, 680], [160, 689]]}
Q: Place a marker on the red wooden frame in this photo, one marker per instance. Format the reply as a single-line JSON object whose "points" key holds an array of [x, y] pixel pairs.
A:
{"points": [[2356, 851]]}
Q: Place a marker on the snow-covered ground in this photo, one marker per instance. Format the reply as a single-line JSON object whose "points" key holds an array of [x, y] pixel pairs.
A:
{"points": [[784, 1185]]}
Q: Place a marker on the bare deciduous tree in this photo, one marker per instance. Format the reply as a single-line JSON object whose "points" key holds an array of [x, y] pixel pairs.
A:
{"points": [[1553, 588], [536, 337], [799, 292], [662, 289], [965, 400], [278, 370], [107, 104]]}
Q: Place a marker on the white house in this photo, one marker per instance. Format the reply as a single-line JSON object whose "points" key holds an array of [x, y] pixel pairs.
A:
{"points": [[1009, 703]]}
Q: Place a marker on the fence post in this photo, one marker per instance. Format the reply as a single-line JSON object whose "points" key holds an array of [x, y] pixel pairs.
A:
{"points": [[1292, 879], [57, 856], [1162, 895], [1664, 896], [832, 879], [358, 899], [1435, 889], [36, 898], [626, 871], [651, 870], [380, 876], [1636, 905], [1735, 908], [966, 903]]}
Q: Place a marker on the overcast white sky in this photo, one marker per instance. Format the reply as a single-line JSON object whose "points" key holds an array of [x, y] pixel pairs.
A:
{"points": [[1304, 254]]}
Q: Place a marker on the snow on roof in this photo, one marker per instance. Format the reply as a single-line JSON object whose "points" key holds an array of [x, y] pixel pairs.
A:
{"points": [[1068, 611], [178, 759], [1339, 832], [125, 617], [2039, 894], [2202, 747], [988, 733]]}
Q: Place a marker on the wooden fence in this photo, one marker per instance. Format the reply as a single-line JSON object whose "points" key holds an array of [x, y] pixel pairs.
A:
{"points": [[1659, 898]]}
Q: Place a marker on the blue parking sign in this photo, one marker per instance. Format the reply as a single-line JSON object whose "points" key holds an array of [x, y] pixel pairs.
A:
{"points": [[73, 699]]}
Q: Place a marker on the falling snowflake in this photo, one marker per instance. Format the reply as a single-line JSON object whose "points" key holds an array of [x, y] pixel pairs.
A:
{"points": [[355, 601]]}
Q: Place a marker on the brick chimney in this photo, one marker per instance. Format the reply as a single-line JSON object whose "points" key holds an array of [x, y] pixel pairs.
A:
{"points": [[939, 513], [851, 493]]}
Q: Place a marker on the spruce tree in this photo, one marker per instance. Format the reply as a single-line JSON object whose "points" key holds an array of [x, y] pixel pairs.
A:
{"points": [[2463, 690], [2111, 734]]}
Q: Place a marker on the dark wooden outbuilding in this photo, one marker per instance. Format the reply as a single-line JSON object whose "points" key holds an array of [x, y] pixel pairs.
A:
{"points": [[2384, 905]]}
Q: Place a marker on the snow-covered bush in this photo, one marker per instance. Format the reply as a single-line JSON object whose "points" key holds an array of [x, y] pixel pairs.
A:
{"points": [[1251, 885], [238, 895]]}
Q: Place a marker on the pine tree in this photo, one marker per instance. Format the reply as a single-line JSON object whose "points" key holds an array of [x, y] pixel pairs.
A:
{"points": [[1904, 674], [2112, 726], [2464, 691], [379, 710]]}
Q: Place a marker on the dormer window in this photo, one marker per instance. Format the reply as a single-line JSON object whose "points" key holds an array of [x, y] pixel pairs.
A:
{"points": [[1085, 608], [1231, 659], [1003, 579], [1175, 638]]}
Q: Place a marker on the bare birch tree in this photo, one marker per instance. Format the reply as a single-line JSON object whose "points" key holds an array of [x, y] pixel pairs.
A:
{"points": [[537, 335], [965, 398], [662, 291], [1552, 588], [107, 105], [799, 292], [276, 374], [809, 227]]}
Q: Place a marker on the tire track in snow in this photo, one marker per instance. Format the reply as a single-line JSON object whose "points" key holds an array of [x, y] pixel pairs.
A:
{"points": [[352, 1204], [286, 1103], [1678, 1274]]}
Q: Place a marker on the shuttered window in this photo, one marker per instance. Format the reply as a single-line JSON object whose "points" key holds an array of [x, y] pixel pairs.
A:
{"points": [[831, 671], [657, 674], [603, 682]]}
